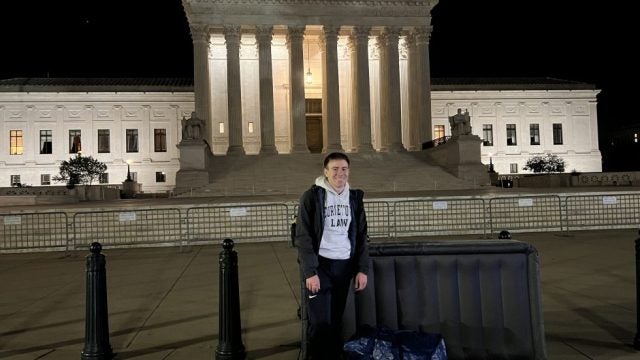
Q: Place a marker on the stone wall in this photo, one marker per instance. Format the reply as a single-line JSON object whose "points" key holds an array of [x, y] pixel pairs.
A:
{"points": [[592, 179], [34, 195]]}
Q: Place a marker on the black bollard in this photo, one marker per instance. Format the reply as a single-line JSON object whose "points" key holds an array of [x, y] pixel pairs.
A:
{"points": [[636, 339], [96, 331], [504, 235], [229, 338]]}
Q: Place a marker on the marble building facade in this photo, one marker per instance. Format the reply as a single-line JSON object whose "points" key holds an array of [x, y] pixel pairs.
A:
{"points": [[287, 76], [47, 110]]}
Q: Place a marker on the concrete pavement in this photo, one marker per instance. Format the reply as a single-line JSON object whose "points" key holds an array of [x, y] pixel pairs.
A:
{"points": [[163, 304]]}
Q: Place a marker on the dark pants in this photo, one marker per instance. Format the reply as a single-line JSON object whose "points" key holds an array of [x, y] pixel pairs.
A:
{"points": [[325, 309]]}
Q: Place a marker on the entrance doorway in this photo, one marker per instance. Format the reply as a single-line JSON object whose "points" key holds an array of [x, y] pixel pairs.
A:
{"points": [[313, 115]]}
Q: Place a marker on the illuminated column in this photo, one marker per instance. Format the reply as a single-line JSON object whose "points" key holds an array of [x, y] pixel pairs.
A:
{"points": [[295, 36], [264, 35], [234, 101], [423, 73], [390, 113], [361, 109], [593, 126], [330, 91], [201, 82], [415, 107]]}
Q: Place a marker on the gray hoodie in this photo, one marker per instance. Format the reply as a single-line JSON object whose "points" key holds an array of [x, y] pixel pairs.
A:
{"points": [[335, 242]]}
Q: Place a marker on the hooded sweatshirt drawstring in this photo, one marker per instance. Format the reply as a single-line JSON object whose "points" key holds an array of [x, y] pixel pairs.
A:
{"points": [[335, 242]]}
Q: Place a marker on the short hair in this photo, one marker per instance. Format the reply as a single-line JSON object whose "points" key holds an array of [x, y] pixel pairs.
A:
{"points": [[336, 156]]}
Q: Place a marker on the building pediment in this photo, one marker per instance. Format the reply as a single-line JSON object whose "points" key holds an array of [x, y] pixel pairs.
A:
{"points": [[310, 12]]}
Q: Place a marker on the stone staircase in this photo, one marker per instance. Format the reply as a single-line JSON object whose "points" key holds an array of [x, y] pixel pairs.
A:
{"points": [[291, 174]]}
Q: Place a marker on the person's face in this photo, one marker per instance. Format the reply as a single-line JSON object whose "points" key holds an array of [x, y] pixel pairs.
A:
{"points": [[337, 173]]}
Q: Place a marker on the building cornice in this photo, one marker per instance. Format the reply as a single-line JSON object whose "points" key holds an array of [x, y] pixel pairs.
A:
{"points": [[337, 3], [514, 95], [310, 12]]}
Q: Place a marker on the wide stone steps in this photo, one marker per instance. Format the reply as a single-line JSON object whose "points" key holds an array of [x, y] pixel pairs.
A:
{"points": [[293, 173]]}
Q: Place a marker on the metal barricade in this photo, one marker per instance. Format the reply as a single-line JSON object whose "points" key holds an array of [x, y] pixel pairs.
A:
{"points": [[128, 227], [47, 231], [439, 217], [530, 213], [378, 219], [264, 222], [602, 211]]}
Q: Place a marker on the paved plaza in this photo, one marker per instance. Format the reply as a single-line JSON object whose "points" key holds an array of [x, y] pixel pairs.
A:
{"points": [[163, 304]]}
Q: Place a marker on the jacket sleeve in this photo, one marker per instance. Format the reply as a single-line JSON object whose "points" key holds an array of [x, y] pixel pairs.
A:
{"points": [[362, 238], [305, 233]]}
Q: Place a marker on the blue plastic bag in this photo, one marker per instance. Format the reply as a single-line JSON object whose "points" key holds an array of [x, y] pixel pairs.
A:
{"points": [[382, 343], [421, 346]]}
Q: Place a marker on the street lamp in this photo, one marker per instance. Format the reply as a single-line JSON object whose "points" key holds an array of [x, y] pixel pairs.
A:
{"points": [[129, 186], [491, 164], [128, 172]]}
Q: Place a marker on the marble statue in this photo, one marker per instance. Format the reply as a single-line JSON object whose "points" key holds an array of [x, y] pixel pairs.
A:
{"points": [[460, 123], [193, 128]]}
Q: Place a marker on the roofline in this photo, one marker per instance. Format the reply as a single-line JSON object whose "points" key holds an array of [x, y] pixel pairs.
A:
{"points": [[46, 85]]}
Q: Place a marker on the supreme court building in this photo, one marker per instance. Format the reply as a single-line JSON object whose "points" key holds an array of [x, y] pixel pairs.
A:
{"points": [[292, 76], [258, 61]]}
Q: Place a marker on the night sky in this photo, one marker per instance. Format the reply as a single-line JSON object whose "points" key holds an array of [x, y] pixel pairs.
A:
{"points": [[567, 39]]}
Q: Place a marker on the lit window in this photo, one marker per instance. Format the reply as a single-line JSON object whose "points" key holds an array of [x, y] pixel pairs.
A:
{"points": [[438, 131], [250, 127], [75, 141], [221, 128], [132, 140], [511, 135], [45, 179], [15, 147], [160, 140], [161, 177], [46, 141]]}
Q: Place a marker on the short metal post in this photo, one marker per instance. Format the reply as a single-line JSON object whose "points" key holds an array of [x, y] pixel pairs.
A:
{"points": [[636, 339], [230, 345], [96, 335]]}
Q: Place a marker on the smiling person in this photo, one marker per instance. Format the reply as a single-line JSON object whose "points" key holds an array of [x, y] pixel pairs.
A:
{"points": [[331, 237]]}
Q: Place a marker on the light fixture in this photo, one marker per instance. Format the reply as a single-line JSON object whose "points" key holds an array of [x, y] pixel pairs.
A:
{"points": [[491, 170], [309, 77], [128, 171]]}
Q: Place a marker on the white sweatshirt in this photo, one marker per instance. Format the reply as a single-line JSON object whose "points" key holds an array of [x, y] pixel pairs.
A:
{"points": [[335, 242]]}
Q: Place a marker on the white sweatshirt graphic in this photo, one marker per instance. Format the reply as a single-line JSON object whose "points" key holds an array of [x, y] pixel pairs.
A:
{"points": [[335, 242]]}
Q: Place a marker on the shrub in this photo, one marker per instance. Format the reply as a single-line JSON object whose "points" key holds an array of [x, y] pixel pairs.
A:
{"points": [[549, 163], [80, 170]]}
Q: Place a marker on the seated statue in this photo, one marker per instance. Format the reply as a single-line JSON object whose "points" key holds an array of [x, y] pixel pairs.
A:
{"points": [[192, 128], [460, 123]]}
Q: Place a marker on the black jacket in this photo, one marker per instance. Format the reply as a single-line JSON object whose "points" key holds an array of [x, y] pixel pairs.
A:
{"points": [[310, 225]]}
